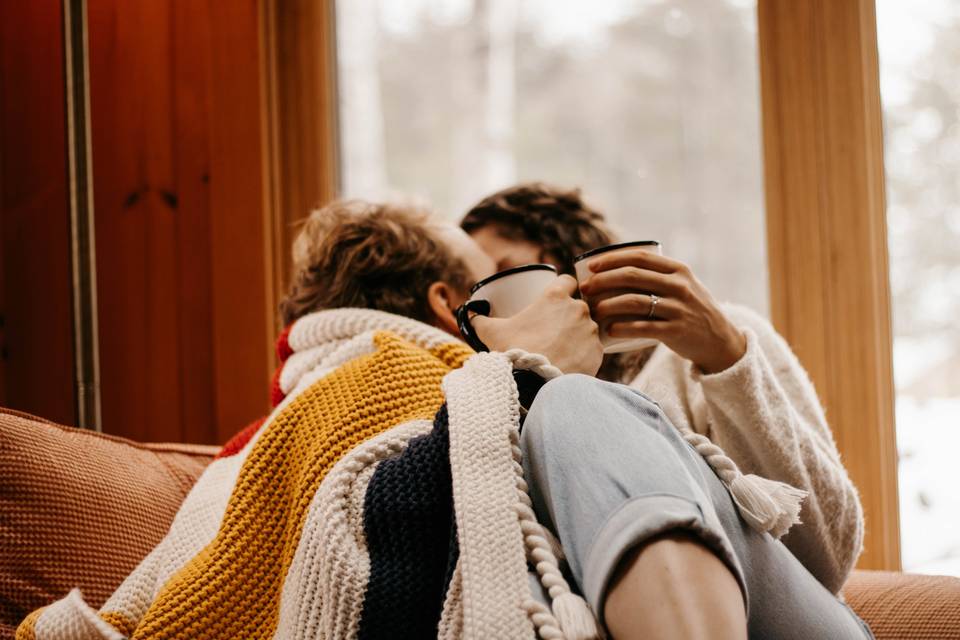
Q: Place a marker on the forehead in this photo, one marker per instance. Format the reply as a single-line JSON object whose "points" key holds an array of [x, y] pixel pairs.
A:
{"points": [[509, 252], [466, 248]]}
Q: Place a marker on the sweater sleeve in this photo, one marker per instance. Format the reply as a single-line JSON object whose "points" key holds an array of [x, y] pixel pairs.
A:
{"points": [[764, 412]]}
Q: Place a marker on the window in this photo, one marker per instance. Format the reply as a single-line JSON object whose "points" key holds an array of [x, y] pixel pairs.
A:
{"points": [[652, 107], [919, 56]]}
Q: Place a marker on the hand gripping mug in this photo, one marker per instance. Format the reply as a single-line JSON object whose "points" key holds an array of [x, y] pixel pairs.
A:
{"points": [[502, 295], [581, 262]]}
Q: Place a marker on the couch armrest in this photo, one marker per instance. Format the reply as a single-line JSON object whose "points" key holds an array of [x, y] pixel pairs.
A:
{"points": [[81, 509], [903, 606]]}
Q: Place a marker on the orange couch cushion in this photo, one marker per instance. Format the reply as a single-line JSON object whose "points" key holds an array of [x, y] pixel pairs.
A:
{"points": [[80, 509], [905, 606]]}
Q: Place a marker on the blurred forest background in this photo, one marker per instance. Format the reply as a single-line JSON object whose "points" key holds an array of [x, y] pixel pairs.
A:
{"points": [[652, 108], [920, 88]]}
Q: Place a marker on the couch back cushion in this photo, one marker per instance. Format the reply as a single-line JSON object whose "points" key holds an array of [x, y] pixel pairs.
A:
{"points": [[80, 509]]}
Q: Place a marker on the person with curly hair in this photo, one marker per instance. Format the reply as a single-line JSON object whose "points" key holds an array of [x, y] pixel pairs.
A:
{"points": [[717, 369], [542, 224]]}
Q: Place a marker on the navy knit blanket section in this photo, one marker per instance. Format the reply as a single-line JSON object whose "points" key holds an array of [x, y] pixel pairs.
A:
{"points": [[411, 536]]}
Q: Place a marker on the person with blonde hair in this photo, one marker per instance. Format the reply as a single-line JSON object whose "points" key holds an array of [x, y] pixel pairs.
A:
{"points": [[406, 486]]}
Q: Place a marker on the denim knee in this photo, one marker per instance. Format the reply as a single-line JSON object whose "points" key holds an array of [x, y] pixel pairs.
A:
{"points": [[586, 390], [575, 414]]}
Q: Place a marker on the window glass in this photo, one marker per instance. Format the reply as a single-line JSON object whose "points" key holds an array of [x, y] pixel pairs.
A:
{"points": [[919, 46], [652, 107]]}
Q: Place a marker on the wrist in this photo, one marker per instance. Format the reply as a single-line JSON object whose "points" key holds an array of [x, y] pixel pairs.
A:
{"points": [[730, 349], [488, 330]]}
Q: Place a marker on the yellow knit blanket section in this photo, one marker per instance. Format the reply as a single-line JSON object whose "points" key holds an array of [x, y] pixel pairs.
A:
{"points": [[232, 588]]}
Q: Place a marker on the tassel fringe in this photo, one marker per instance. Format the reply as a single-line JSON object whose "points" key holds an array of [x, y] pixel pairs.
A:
{"points": [[768, 506], [569, 616], [575, 618]]}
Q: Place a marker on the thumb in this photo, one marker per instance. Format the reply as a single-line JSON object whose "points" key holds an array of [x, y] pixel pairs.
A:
{"points": [[565, 285], [486, 327]]}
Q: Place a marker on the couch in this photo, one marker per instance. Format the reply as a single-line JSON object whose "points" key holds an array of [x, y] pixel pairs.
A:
{"points": [[79, 508]]}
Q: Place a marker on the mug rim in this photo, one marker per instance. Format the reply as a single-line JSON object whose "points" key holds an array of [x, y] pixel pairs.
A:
{"points": [[509, 272], [612, 247]]}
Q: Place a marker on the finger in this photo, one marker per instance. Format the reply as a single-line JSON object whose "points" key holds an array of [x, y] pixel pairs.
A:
{"points": [[564, 285], [635, 305], [635, 258], [633, 279], [641, 329]]}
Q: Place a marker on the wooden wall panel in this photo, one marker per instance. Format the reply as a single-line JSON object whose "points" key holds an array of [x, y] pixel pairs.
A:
{"points": [[192, 110], [184, 333], [826, 226], [243, 312], [300, 52], [131, 95], [36, 339]]}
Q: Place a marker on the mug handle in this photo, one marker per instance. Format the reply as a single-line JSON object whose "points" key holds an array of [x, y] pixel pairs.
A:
{"points": [[470, 336]]}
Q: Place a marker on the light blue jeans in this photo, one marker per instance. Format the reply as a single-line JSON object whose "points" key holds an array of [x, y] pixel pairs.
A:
{"points": [[608, 471]]}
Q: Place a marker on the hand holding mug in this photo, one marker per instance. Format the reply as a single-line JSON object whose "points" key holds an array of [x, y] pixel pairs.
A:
{"points": [[553, 324], [636, 293]]}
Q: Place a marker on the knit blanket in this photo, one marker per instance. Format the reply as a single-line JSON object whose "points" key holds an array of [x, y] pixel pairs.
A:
{"points": [[382, 497]]}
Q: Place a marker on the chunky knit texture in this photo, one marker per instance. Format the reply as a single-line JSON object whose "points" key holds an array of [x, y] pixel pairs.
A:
{"points": [[347, 514], [340, 515], [412, 538]]}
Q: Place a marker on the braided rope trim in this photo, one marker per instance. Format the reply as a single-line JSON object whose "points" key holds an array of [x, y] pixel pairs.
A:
{"points": [[768, 506], [571, 617], [534, 362], [574, 620]]}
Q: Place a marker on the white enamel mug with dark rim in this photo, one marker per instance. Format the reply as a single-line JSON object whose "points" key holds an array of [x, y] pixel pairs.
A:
{"points": [[502, 295], [581, 264]]}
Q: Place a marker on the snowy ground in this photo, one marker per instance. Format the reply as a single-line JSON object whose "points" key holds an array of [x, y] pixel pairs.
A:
{"points": [[928, 439]]}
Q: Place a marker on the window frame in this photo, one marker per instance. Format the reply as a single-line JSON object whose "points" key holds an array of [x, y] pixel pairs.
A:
{"points": [[824, 194], [827, 234]]}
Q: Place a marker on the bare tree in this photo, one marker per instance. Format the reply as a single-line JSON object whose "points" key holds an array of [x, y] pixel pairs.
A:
{"points": [[498, 140], [363, 149]]}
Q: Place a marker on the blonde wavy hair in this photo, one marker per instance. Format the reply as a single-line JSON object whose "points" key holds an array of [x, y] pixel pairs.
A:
{"points": [[380, 256]]}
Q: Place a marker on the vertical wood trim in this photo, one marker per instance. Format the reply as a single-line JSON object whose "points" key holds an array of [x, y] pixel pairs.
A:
{"points": [[300, 60], [82, 235], [272, 177], [826, 231]]}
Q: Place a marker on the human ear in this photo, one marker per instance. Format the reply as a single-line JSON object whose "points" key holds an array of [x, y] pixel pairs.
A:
{"points": [[442, 301]]}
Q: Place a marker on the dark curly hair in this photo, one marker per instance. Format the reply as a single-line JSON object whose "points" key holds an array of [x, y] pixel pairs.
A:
{"points": [[557, 220], [563, 226]]}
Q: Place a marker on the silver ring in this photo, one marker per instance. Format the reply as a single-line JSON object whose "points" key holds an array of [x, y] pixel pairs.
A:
{"points": [[653, 305]]}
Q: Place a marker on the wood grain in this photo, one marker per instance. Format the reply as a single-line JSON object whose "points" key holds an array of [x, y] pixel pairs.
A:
{"points": [[36, 334], [300, 68], [192, 108], [176, 115], [242, 320], [826, 227], [131, 89]]}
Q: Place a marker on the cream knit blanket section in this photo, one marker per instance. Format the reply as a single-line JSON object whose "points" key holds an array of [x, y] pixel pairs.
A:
{"points": [[271, 541], [192, 584]]}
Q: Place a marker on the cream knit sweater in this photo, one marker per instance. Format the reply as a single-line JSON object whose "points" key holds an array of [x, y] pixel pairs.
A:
{"points": [[764, 413]]}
